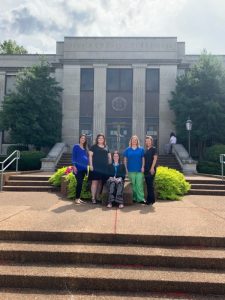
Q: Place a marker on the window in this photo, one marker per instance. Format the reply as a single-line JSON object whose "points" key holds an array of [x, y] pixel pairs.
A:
{"points": [[152, 80], [10, 84], [119, 80], [87, 80]]}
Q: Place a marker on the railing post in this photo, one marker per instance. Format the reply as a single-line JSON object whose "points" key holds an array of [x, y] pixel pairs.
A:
{"points": [[222, 163], [1, 182]]}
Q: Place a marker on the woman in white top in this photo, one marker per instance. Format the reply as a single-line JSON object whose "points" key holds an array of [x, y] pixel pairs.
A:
{"points": [[173, 140]]}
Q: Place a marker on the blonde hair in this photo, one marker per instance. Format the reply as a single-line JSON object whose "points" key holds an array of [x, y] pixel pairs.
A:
{"points": [[134, 137]]}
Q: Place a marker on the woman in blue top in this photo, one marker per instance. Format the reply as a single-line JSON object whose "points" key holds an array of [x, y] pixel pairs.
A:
{"points": [[134, 163], [80, 163]]}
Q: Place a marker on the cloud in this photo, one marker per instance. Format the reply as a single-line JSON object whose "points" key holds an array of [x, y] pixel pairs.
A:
{"points": [[38, 24]]}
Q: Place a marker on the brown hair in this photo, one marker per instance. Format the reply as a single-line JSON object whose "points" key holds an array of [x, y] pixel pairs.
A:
{"points": [[149, 137], [85, 143], [134, 137], [96, 140]]}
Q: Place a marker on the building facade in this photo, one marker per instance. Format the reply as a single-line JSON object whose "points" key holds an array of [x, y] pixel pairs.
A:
{"points": [[116, 86]]}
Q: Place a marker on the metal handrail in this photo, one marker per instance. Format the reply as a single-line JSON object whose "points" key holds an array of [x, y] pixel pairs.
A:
{"points": [[3, 168], [222, 161]]}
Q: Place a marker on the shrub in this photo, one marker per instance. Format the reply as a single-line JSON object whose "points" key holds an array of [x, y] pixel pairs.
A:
{"points": [[19, 147], [56, 178], [212, 153], [30, 160], [170, 184], [209, 167]]}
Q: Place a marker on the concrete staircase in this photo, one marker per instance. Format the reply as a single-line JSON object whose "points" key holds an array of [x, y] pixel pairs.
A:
{"points": [[28, 182], [112, 263], [169, 161], [206, 186], [65, 161]]}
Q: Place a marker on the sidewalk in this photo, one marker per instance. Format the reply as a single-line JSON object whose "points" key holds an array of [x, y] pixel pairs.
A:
{"points": [[42, 211]]}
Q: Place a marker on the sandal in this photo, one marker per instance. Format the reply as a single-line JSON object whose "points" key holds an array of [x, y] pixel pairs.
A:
{"points": [[121, 206], [94, 201], [109, 205]]}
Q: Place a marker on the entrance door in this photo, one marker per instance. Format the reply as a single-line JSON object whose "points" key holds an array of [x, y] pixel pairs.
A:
{"points": [[118, 136]]}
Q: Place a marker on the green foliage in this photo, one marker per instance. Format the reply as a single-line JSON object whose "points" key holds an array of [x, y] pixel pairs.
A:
{"points": [[30, 160], [11, 47], [170, 184], [213, 153], [36, 108], [55, 179], [209, 167], [19, 147], [200, 95]]}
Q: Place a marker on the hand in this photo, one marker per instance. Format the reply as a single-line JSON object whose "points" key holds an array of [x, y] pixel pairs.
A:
{"points": [[74, 170], [142, 170], [152, 171], [91, 168]]}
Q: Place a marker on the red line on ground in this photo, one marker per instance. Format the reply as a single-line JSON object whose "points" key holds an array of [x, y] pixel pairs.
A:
{"points": [[115, 221]]}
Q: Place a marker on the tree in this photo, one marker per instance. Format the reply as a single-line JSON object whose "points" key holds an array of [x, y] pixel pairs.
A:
{"points": [[200, 95], [33, 112], [11, 47]]}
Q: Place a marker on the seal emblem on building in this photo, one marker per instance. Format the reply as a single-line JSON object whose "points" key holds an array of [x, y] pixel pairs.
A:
{"points": [[119, 103]]}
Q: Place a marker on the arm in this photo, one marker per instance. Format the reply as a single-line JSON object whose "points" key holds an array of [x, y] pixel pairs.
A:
{"points": [[74, 158], [109, 158], [91, 160], [125, 163], [143, 165], [152, 170]]}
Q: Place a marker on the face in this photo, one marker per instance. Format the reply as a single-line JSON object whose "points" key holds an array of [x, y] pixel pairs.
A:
{"points": [[82, 140], [134, 141], [148, 143], [101, 140], [116, 157]]}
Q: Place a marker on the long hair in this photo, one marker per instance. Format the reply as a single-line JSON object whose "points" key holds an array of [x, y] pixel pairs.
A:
{"points": [[96, 140], [134, 137], [85, 143], [115, 152]]}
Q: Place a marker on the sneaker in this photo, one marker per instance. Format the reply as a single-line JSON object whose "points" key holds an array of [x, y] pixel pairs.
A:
{"points": [[121, 206], [77, 201], [109, 205]]}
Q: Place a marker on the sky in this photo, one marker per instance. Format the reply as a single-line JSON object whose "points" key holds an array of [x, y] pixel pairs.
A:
{"points": [[38, 24]]}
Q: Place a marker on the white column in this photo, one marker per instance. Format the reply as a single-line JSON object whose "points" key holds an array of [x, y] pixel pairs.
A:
{"points": [[71, 104], [99, 99], [168, 76], [138, 117], [2, 94]]}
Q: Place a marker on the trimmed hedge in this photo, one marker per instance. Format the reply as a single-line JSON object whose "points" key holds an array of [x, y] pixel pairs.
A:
{"points": [[30, 160], [170, 184], [212, 153], [209, 167]]}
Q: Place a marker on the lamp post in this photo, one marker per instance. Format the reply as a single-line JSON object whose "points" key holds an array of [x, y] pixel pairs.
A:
{"points": [[189, 127]]}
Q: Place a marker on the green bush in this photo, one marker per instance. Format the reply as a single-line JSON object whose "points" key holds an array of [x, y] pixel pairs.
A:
{"points": [[209, 167], [212, 153], [30, 160], [56, 178], [19, 147], [170, 184]]}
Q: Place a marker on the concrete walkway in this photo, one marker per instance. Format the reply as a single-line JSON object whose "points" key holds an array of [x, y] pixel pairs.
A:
{"points": [[42, 211]]}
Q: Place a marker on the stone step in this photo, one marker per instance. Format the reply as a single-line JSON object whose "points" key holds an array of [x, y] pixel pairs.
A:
{"points": [[99, 254], [30, 177], [208, 186], [110, 238], [37, 294], [112, 278], [206, 181], [207, 192], [26, 183], [29, 188]]}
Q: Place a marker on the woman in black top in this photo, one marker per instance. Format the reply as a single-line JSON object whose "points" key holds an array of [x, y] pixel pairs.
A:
{"points": [[117, 173], [99, 158], [150, 169]]}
